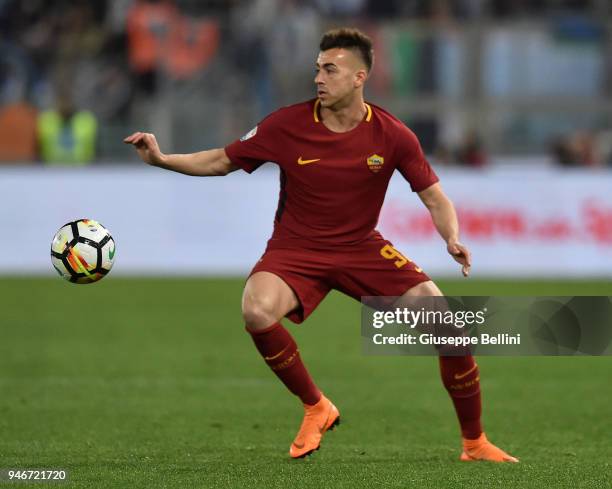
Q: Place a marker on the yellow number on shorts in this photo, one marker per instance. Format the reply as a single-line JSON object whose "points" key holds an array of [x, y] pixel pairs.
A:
{"points": [[390, 253]]}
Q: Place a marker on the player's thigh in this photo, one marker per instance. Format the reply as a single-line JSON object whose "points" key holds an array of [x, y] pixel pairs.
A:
{"points": [[266, 299]]}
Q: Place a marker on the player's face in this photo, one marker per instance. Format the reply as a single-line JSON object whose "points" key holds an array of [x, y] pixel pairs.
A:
{"points": [[340, 73]]}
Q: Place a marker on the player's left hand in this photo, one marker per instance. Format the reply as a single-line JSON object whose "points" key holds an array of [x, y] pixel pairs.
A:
{"points": [[461, 255]]}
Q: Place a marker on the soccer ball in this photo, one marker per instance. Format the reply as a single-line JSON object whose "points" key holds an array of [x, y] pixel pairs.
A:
{"points": [[83, 251]]}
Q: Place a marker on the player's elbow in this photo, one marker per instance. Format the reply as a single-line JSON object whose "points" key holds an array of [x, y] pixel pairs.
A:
{"points": [[440, 202], [431, 202], [219, 171], [220, 165]]}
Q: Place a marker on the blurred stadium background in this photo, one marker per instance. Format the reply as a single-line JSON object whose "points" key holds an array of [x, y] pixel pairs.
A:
{"points": [[511, 101], [145, 381]]}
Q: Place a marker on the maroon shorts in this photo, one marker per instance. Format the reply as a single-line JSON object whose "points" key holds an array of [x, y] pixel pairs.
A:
{"points": [[371, 268]]}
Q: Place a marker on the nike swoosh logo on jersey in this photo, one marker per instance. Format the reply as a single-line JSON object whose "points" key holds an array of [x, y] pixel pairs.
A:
{"points": [[305, 162], [464, 374]]}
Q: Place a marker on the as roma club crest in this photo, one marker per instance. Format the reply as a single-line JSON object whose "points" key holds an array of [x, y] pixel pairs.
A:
{"points": [[375, 163]]}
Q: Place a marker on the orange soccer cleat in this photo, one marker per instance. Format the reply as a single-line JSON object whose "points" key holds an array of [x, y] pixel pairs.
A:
{"points": [[318, 419], [483, 449]]}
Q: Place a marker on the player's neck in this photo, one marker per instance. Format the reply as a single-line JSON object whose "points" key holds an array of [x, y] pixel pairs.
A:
{"points": [[344, 117]]}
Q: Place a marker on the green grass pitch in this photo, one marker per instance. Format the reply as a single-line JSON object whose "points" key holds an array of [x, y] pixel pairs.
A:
{"points": [[154, 383]]}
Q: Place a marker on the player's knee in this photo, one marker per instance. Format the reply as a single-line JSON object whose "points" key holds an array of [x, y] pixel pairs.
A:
{"points": [[428, 289], [259, 312]]}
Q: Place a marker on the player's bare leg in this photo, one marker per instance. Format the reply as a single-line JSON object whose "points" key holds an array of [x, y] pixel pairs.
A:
{"points": [[461, 377], [267, 299]]}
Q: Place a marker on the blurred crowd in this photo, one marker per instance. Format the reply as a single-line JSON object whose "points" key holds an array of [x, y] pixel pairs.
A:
{"points": [[583, 148], [76, 76], [72, 67]]}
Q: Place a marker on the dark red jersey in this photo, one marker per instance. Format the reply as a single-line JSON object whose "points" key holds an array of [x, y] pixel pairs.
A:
{"points": [[332, 185]]}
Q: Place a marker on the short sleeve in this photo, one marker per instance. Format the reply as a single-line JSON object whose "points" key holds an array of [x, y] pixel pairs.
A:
{"points": [[412, 163], [256, 147]]}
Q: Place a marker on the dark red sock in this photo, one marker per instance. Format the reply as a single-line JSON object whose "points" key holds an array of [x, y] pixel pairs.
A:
{"points": [[280, 352], [462, 381]]}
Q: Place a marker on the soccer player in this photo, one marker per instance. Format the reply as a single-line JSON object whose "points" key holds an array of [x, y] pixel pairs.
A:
{"points": [[336, 155]]}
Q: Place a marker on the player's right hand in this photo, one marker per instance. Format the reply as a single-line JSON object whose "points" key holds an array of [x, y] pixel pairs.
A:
{"points": [[147, 147]]}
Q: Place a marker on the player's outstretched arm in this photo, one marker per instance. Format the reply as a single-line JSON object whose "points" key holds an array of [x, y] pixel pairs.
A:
{"points": [[210, 163], [444, 217]]}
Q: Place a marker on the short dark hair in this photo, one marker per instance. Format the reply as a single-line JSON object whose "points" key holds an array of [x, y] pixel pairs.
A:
{"points": [[349, 38]]}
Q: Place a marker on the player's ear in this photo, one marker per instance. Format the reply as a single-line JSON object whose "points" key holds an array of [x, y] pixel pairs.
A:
{"points": [[360, 77]]}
